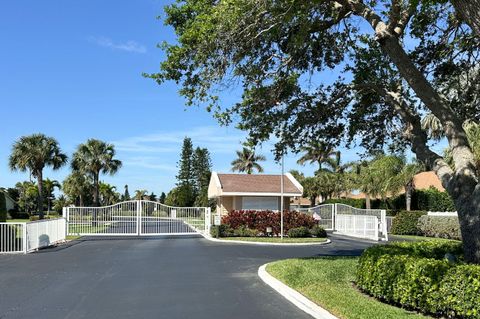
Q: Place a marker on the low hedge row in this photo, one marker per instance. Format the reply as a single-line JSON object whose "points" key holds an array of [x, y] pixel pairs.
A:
{"points": [[440, 226], [422, 199], [406, 223], [260, 220], [418, 276]]}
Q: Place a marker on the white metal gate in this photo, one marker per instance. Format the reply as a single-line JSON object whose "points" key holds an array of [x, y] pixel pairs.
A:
{"points": [[351, 221], [136, 218]]}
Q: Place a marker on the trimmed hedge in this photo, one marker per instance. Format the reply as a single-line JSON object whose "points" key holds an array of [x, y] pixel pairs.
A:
{"points": [[318, 231], [417, 276], [406, 223], [428, 200], [299, 232], [260, 220], [440, 226]]}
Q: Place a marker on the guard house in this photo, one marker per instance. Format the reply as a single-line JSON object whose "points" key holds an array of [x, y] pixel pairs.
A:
{"points": [[252, 191]]}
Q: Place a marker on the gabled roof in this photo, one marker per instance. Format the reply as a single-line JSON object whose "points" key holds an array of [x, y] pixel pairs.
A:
{"points": [[253, 185]]}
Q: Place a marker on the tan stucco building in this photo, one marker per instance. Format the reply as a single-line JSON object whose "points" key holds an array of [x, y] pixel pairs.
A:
{"points": [[259, 191]]}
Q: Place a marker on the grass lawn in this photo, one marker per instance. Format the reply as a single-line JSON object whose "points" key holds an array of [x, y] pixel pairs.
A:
{"points": [[419, 238], [86, 229], [18, 220], [277, 239], [327, 281]]}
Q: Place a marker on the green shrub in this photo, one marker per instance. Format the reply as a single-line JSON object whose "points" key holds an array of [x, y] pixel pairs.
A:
{"points": [[222, 230], [417, 276], [3, 207], [318, 231], [244, 231], [406, 223], [440, 226], [433, 200], [299, 232]]}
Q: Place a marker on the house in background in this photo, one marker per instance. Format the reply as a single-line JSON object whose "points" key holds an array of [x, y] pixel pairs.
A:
{"points": [[255, 191], [421, 181], [9, 202]]}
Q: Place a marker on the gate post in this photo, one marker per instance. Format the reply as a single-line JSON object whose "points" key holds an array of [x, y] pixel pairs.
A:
{"points": [[139, 216], [334, 216], [208, 221]]}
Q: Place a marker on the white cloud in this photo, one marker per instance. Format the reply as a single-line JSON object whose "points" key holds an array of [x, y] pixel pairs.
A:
{"points": [[128, 46], [216, 139]]}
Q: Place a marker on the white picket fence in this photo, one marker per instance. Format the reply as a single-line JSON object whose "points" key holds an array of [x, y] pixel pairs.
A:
{"points": [[27, 237]]}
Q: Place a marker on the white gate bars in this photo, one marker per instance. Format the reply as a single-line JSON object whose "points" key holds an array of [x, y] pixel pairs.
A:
{"points": [[136, 218], [362, 226], [326, 213], [27, 237], [332, 214], [12, 238], [381, 214]]}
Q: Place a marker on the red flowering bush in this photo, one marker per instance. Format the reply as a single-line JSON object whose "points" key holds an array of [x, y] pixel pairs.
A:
{"points": [[261, 219]]}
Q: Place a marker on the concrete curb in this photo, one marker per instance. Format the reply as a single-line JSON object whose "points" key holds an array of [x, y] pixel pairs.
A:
{"points": [[294, 296], [328, 241]]}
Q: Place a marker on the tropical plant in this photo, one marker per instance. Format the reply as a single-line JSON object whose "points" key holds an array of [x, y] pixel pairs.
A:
{"points": [[316, 152], [28, 194], [78, 188], [433, 126], [93, 158], [49, 186], [247, 161], [406, 179], [33, 153], [59, 203], [140, 194], [108, 194]]}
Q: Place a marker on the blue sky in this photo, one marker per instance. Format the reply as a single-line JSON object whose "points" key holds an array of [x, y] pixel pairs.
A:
{"points": [[72, 70]]}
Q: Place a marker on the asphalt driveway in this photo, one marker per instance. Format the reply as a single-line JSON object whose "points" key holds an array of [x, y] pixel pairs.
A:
{"points": [[173, 277]]}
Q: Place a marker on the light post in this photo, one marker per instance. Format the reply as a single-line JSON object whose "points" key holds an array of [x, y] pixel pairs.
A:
{"points": [[281, 200]]}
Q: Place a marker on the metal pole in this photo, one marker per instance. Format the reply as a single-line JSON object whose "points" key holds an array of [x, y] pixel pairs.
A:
{"points": [[281, 200]]}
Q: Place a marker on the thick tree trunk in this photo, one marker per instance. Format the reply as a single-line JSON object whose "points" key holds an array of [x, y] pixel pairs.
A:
{"points": [[40, 194], [368, 205], [468, 209], [469, 11]]}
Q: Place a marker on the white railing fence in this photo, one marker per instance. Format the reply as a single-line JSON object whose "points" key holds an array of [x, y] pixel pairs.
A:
{"points": [[44, 233], [27, 237], [135, 218], [381, 214], [12, 238], [325, 212], [331, 214], [362, 226]]}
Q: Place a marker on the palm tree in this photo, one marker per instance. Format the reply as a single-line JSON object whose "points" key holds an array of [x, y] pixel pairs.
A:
{"points": [[406, 179], [77, 187], [33, 153], [108, 194], [50, 186], [140, 194], [95, 157], [433, 126], [316, 152], [247, 161]]}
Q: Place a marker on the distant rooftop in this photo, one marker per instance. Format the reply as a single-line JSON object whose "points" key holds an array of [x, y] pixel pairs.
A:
{"points": [[257, 183]]}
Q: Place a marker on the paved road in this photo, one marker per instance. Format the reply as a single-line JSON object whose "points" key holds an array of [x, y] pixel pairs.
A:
{"points": [[150, 278]]}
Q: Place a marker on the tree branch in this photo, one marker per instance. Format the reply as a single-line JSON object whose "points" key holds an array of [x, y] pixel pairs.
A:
{"points": [[417, 136]]}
